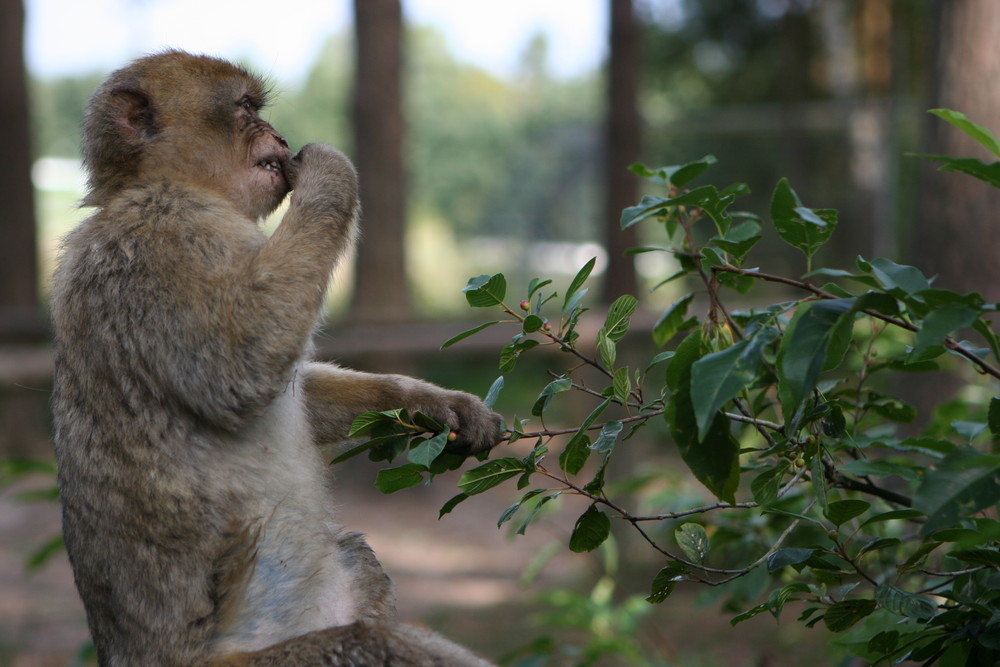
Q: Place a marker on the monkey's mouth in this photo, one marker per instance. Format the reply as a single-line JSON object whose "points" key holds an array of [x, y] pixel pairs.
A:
{"points": [[270, 165]]}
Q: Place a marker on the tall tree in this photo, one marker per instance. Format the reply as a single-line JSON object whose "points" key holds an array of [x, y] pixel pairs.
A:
{"points": [[958, 236], [622, 136], [19, 304], [381, 289]]}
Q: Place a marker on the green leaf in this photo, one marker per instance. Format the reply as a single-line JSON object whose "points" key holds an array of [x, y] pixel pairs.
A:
{"points": [[940, 323], [428, 450], [903, 603], [647, 207], [365, 422], [884, 642], [862, 468], [536, 285], [590, 531], [842, 511], [493, 393], [899, 279], [803, 350], [844, 614], [777, 599], [616, 323], [511, 352], [575, 454], [665, 581], [488, 475], [765, 486], [801, 227], [994, 417], [622, 385], [987, 557], [749, 613], [977, 132], [718, 377], [452, 503], [606, 349], [706, 197], [465, 334], [551, 389], [672, 321], [879, 543], [485, 291], [608, 437], [390, 480], [577, 450], [539, 504], [739, 240], [693, 541], [532, 323], [964, 482], [787, 556], [714, 459], [893, 515], [676, 175], [506, 515], [351, 453], [578, 280]]}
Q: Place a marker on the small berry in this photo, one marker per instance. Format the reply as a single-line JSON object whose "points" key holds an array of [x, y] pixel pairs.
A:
{"points": [[525, 304], [452, 436], [547, 326]]}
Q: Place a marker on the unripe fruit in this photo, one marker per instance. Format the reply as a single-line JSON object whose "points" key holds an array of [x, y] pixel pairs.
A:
{"points": [[547, 326], [524, 305], [452, 436]]}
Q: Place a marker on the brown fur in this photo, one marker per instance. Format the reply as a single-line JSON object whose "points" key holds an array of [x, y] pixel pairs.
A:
{"points": [[187, 410]]}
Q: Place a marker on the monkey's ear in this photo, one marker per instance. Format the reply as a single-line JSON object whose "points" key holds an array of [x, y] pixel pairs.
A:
{"points": [[134, 114]]}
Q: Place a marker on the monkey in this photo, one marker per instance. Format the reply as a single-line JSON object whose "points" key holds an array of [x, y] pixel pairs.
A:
{"points": [[188, 411]]}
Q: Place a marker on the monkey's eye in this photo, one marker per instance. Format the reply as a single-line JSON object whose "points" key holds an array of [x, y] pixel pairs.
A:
{"points": [[247, 103]]}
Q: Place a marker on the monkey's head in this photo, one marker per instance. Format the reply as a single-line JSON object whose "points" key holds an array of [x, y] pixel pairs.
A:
{"points": [[186, 119]]}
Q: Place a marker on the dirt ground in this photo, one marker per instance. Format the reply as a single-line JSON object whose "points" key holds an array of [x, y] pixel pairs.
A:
{"points": [[458, 575]]}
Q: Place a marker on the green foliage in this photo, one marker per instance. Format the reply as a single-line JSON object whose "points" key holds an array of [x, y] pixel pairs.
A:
{"points": [[785, 413]]}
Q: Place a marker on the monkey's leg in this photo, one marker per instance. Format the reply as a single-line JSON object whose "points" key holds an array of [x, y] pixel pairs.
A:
{"points": [[359, 645]]}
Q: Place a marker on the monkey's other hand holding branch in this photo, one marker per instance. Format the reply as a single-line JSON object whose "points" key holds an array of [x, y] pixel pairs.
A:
{"points": [[475, 426]]}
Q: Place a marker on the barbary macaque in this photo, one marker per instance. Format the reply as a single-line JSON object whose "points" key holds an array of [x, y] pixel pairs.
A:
{"points": [[188, 413]]}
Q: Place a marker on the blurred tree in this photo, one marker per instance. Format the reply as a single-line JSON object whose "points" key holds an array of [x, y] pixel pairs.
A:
{"points": [[381, 290], [958, 237], [622, 133], [320, 109], [20, 315]]}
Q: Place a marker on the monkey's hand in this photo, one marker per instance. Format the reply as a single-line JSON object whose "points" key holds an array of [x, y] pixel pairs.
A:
{"points": [[321, 174], [476, 428], [335, 396]]}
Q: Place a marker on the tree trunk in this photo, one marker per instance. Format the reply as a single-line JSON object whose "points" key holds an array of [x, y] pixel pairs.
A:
{"points": [[381, 290], [622, 134], [958, 236], [20, 316]]}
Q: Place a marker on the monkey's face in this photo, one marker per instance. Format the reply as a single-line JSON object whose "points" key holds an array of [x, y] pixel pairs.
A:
{"points": [[185, 119], [260, 180]]}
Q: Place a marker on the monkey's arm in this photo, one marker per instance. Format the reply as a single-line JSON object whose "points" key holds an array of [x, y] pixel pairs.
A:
{"points": [[335, 396]]}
